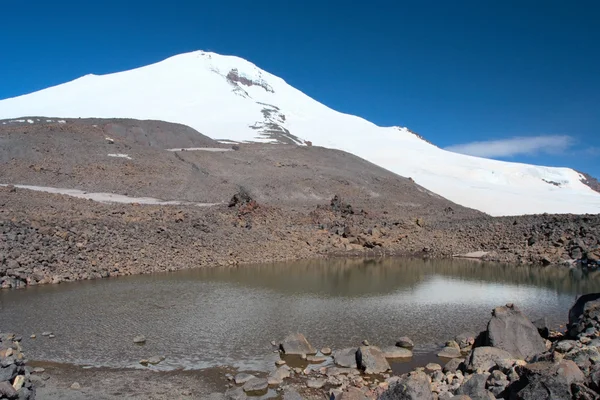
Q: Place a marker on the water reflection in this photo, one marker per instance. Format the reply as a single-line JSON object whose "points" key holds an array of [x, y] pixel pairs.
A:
{"points": [[228, 316]]}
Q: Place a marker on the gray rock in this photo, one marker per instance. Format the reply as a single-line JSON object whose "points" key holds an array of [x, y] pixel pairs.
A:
{"points": [[296, 344], [449, 352], [155, 360], [587, 307], [396, 352], [256, 385], [474, 387], [370, 360], [485, 358], [345, 358], [276, 377], [8, 373], [405, 342], [564, 346], [432, 367], [510, 330], [465, 339], [243, 377], [454, 365], [414, 386]]}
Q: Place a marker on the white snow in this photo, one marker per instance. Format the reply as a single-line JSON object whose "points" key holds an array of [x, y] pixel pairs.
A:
{"points": [[213, 149], [192, 89], [120, 155], [108, 197], [30, 121]]}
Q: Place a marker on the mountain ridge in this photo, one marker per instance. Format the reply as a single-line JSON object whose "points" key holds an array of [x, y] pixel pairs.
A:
{"points": [[229, 98]]}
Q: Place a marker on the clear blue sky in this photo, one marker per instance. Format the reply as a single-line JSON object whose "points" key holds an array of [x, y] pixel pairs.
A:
{"points": [[455, 71]]}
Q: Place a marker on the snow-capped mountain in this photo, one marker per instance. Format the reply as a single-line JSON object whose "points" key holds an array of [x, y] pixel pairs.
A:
{"points": [[228, 98]]}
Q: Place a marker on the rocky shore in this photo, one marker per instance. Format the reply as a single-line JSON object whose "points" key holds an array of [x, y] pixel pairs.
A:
{"points": [[513, 358], [16, 380], [49, 238]]}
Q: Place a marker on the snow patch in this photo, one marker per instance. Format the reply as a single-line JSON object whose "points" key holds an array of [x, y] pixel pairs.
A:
{"points": [[120, 155], [212, 149], [109, 197]]}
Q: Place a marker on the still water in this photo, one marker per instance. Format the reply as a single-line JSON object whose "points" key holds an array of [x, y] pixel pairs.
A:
{"points": [[228, 316]]}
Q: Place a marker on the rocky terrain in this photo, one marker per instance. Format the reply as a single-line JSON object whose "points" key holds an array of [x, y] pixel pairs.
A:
{"points": [[16, 380]]}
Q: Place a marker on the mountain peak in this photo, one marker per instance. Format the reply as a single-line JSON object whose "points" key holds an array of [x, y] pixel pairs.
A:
{"points": [[227, 97]]}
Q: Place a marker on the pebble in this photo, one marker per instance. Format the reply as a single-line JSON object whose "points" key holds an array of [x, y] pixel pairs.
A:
{"points": [[32, 336], [139, 339], [432, 367], [51, 336], [365, 342], [280, 363], [46, 333], [75, 386], [39, 370], [326, 351]]}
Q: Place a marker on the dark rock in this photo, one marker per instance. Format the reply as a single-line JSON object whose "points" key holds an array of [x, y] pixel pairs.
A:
{"points": [[296, 344], [371, 360], [8, 373], [544, 388], [414, 386], [587, 307], [510, 330], [542, 327], [345, 358]]}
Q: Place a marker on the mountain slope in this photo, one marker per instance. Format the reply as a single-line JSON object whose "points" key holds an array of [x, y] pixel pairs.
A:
{"points": [[229, 98]]}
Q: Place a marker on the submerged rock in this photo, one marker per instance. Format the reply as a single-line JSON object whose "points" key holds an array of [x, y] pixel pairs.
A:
{"points": [[296, 344], [396, 352], [405, 342]]}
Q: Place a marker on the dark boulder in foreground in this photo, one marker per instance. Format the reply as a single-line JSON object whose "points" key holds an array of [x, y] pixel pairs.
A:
{"points": [[296, 344], [15, 381], [510, 330]]}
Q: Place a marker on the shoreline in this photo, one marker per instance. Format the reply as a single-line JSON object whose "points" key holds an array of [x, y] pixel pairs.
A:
{"points": [[49, 238]]}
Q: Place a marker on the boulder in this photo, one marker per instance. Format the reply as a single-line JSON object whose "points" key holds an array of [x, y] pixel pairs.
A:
{"points": [[405, 342], [235, 394], [414, 386], [296, 344], [345, 358], [485, 358], [510, 330], [547, 380], [474, 387], [8, 373], [316, 383], [370, 360], [396, 352]]}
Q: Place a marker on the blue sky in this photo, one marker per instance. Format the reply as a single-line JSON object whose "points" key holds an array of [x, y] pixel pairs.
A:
{"points": [[521, 77]]}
